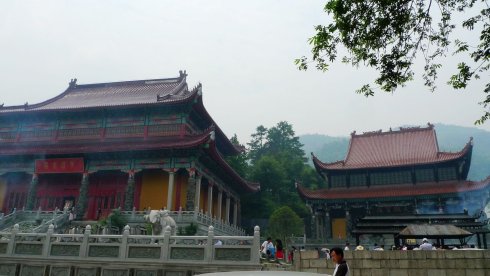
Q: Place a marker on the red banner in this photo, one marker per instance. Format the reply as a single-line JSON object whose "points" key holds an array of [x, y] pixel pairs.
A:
{"points": [[60, 165]]}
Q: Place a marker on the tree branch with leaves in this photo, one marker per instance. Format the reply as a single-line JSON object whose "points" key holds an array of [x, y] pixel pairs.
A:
{"points": [[388, 35]]}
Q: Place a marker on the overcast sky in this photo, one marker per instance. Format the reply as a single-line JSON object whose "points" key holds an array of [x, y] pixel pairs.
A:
{"points": [[242, 51]]}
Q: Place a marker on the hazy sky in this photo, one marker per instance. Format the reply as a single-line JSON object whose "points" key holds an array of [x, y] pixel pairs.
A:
{"points": [[241, 51]]}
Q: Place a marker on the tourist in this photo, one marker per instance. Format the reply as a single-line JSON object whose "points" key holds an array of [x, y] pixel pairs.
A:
{"points": [[425, 245], [325, 253], [291, 254], [341, 267], [346, 248], [279, 250], [265, 246]]}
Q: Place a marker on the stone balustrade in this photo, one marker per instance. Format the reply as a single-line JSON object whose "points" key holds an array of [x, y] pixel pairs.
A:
{"points": [[88, 254], [56, 217], [401, 263], [201, 219]]}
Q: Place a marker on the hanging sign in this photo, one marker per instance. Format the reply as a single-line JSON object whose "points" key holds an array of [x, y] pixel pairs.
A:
{"points": [[60, 165]]}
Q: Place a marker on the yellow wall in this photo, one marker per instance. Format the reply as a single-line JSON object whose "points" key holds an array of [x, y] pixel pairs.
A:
{"points": [[154, 190], [3, 191], [339, 228]]}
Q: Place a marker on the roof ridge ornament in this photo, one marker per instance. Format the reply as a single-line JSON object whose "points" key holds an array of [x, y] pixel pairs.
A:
{"points": [[164, 97], [73, 83], [182, 74]]}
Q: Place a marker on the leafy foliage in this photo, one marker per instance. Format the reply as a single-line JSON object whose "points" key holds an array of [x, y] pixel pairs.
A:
{"points": [[284, 222], [190, 230], [239, 162], [277, 161], [388, 35], [116, 219]]}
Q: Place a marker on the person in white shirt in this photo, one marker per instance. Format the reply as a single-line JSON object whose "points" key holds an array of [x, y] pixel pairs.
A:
{"points": [[265, 246], [425, 245]]}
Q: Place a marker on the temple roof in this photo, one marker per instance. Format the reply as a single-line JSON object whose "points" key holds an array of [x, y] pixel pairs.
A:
{"points": [[399, 190], [433, 230], [138, 92], [168, 91], [407, 146]]}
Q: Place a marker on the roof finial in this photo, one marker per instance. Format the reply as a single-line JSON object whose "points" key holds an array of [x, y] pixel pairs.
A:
{"points": [[353, 133], [182, 74], [73, 83]]}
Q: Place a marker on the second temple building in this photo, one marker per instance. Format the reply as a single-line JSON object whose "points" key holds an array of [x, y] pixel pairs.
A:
{"points": [[393, 179]]}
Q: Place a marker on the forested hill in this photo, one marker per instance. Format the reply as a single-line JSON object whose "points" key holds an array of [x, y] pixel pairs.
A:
{"points": [[450, 138]]}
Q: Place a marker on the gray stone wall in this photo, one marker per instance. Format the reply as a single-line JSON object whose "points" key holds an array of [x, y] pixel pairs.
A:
{"points": [[402, 263]]}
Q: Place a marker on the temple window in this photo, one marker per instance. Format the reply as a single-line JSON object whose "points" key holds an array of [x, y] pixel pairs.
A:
{"points": [[387, 178], [358, 180], [424, 175], [447, 173], [338, 181]]}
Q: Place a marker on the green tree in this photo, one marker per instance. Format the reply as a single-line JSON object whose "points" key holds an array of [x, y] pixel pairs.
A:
{"points": [[277, 162], [388, 35], [284, 223], [239, 162], [257, 145]]}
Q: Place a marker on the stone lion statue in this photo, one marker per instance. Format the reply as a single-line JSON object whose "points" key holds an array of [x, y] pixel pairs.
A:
{"points": [[159, 220]]}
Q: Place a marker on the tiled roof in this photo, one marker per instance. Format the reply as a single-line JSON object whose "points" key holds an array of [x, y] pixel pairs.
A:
{"points": [[434, 230], [407, 146], [249, 186], [125, 93], [401, 190], [128, 93], [108, 145]]}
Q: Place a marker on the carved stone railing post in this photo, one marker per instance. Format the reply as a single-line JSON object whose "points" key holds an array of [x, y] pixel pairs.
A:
{"points": [[256, 244], [38, 213], [85, 241], [11, 244], [166, 242], [31, 195], [47, 240], [179, 214], [129, 197], [209, 245], [196, 211], [124, 243], [133, 213]]}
